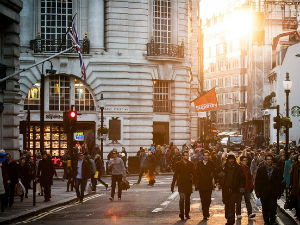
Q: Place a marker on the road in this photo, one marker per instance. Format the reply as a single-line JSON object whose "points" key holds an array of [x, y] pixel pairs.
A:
{"points": [[141, 204]]}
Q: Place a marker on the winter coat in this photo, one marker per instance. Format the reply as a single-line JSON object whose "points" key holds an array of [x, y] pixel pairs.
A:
{"points": [[248, 178], [287, 173], [86, 169], [295, 189], [204, 175], [25, 174], [45, 171], [11, 168], [99, 166], [268, 187], [184, 175], [2, 189]]}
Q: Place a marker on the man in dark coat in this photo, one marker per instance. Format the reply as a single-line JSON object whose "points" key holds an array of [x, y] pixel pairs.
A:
{"points": [[45, 175], [233, 184], [82, 171], [205, 172], [10, 179], [184, 175], [268, 188]]}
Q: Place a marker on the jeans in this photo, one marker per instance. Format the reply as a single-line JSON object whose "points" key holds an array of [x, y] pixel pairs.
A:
{"points": [[247, 197], [9, 195], [114, 180], [80, 183], [205, 196], [269, 207], [142, 171], [47, 191], [184, 203], [230, 201]]}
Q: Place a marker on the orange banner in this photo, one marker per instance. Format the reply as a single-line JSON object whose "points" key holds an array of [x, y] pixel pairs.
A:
{"points": [[207, 102]]}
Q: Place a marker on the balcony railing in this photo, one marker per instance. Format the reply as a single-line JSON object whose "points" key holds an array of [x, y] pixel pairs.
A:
{"points": [[162, 106], [39, 45], [161, 49]]}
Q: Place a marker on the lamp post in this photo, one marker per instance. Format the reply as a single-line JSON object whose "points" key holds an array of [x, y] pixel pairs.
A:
{"points": [[287, 85], [102, 105]]}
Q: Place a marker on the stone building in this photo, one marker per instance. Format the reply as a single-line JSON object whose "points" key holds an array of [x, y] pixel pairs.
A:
{"points": [[136, 54], [9, 63]]}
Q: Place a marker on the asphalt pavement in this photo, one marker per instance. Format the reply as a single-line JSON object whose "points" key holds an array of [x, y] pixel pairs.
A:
{"points": [[141, 204]]}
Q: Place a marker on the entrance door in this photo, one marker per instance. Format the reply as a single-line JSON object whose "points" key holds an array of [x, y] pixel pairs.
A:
{"points": [[160, 133]]}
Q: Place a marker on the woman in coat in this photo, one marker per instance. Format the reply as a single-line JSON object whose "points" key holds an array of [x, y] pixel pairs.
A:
{"points": [[295, 185], [25, 176]]}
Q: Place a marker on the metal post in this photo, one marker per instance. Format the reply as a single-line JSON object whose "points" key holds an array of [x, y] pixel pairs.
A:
{"points": [[287, 129], [101, 133], [278, 129]]}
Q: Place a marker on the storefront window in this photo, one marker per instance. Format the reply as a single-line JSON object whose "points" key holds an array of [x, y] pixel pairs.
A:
{"points": [[32, 101], [59, 93]]}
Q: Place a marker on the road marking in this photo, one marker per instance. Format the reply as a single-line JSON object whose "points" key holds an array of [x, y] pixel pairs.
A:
{"points": [[157, 210], [196, 199], [279, 221], [173, 196], [43, 214], [165, 203]]}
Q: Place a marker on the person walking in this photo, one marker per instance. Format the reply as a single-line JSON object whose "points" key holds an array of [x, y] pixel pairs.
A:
{"points": [[81, 169], [143, 165], [45, 175], [100, 170], [151, 165], [205, 173], [10, 179], [118, 172], [184, 176], [248, 189], [268, 189], [233, 183], [295, 185], [25, 176], [2, 188]]}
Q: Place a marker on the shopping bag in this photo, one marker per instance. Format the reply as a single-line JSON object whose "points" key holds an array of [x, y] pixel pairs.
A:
{"points": [[89, 187], [96, 174], [258, 202], [125, 184], [19, 190], [23, 188], [38, 188]]}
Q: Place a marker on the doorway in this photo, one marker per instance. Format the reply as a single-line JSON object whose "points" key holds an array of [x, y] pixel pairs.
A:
{"points": [[160, 133]]}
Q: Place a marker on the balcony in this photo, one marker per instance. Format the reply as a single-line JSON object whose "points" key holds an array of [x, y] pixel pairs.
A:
{"points": [[39, 45], [165, 52], [162, 106]]}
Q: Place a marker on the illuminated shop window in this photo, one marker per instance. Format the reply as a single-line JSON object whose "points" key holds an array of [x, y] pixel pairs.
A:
{"points": [[83, 99], [32, 101], [59, 94]]}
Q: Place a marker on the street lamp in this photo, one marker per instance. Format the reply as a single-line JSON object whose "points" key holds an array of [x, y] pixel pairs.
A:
{"points": [[102, 105], [287, 85]]}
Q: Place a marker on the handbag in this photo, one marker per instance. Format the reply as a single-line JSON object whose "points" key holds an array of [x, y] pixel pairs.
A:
{"points": [[125, 184], [19, 190]]}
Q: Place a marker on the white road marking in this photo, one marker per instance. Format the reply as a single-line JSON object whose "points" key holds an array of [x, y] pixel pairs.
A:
{"points": [[196, 199], [165, 203], [279, 221], [157, 210], [173, 196], [41, 215]]}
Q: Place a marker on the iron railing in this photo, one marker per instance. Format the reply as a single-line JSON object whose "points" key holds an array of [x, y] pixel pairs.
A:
{"points": [[161, 49], [56, 45], [162, 106]]}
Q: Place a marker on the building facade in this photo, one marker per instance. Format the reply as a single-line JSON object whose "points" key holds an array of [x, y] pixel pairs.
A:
{"points": [[9, 63], [136, 54]]}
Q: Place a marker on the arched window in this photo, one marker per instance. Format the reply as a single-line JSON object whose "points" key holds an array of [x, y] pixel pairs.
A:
{"points": [[63, 92]]}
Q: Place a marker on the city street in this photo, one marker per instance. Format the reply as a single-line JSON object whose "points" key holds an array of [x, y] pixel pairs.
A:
{"points": [[141, 204]]}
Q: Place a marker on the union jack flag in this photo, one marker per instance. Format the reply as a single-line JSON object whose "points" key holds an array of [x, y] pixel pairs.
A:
{"points": [[74, 37]]}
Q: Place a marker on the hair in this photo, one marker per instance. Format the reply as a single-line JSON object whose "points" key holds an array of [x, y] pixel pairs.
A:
{"points": [[243, 157], [187, 152], [206, 151], [269, 155]]}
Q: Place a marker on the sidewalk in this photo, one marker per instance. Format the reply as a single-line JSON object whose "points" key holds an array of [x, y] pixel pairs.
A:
{"points": [[26, 208]]}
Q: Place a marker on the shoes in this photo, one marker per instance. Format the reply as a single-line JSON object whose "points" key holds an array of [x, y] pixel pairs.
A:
{"points": [[239, 217], [106, 186], [252, 215], [119, 199], [26, 196], [81, 201], [111, 198], [181, 217], [47, 200], [67, 191], [205, 218], [187, 217]]}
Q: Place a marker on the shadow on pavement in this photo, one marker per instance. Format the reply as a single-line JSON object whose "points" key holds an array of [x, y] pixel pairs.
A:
{"points": [[180, 222], [203, 222]]}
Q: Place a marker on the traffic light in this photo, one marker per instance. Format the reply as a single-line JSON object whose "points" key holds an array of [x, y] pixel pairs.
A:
{"points": [[277, 122], [70, 119]]}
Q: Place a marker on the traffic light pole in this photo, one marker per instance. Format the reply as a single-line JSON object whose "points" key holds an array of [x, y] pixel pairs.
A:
{"points": [[278, 129]]}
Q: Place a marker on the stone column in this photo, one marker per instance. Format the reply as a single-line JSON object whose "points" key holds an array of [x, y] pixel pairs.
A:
{"points": [[96, 25], [27, 24]]}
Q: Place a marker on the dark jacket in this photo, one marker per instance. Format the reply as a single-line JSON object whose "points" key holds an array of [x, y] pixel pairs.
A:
{"points": [[184, 175], [45, 171], [12, 171], [295, 189], [204, 175], [248, 178], [25, 174], [268, 187], [86, 169], [232, 180]]}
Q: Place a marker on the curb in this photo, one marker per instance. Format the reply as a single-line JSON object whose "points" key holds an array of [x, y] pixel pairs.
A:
{"points": [[36, 211]]}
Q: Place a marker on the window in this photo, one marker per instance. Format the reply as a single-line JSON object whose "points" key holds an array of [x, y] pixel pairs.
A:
{"points": [[220, 118], [228, 117], [56, 16], [220, 82], [235, 116], [32, 101], [162, 21], [235, 80], [228, 81], [161, 94], [59, 93], [83, 99]]}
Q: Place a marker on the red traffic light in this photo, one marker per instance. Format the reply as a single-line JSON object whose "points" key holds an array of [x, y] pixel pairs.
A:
{"points": [[72, 114]]}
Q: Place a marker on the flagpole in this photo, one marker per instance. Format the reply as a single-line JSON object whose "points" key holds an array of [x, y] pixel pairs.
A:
{"points": [[36, 64]]}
